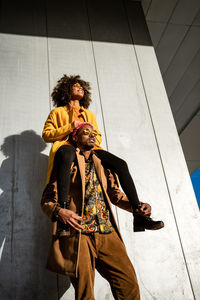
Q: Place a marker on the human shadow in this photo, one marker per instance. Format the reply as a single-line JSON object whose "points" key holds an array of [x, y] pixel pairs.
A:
{"points": [[25, 232]]}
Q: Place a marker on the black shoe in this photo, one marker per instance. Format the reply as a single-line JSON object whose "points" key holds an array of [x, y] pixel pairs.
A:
{"points": [[141, 223]]}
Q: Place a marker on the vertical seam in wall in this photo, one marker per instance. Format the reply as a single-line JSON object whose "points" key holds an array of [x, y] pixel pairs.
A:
{"points": [[158, 149], [101, 105], [167, 23], [48, 60], [148, 7], [13, 181], [95, 65], [12, 214]]}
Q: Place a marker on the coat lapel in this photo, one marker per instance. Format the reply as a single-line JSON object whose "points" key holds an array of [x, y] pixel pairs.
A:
{"points": [[81, 164], [97, 164]]}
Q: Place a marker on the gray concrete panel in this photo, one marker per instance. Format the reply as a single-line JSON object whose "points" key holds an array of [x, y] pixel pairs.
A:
{"points": [[188, 109], [185, 86], [74, 56], [185, 12], [175, 170], [190, 137], [169, 44], [161, 10], [156, 29], [185, 54], [24, 105], [130, 104], [197, 20], [129, 146], [145, 5]]}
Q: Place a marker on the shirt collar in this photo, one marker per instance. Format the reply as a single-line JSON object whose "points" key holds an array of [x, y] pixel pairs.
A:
{"points": [[69, 108]]}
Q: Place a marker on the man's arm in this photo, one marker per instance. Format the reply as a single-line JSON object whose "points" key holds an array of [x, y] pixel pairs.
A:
{"points": [[52, 209], [49, 202]]}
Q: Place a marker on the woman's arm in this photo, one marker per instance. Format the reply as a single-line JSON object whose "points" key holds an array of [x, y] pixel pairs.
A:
{"points": [[52, 132]]}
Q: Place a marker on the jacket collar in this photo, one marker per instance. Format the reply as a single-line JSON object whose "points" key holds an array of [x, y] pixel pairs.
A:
{"points": [[69, 108]]}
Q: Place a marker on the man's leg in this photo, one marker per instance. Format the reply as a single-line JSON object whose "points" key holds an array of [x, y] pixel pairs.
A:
{"points": [[114, 265], [84, 283]]}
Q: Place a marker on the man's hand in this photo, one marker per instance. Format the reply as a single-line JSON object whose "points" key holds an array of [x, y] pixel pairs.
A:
{"points": [[145, 210], [75, 124], [69, 217]]}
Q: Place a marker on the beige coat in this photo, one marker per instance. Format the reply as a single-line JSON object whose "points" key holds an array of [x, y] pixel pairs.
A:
{"points": [[64, 251]]}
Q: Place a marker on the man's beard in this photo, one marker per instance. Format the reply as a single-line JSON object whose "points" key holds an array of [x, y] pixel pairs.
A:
{"points": [[88, 147]]}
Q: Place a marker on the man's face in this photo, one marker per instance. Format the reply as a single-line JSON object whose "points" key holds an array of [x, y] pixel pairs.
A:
{"points": [[86, 137], [77, 92]]}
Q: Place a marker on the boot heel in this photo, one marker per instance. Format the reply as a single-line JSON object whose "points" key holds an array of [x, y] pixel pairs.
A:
{"points": [[137, 228]]}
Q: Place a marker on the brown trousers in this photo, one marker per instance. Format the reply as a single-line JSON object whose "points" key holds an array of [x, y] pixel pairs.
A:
{"points": [[108, 255]]}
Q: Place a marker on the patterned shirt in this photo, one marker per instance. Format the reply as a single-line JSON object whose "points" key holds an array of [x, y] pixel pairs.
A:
{"points": [[95, 215]]}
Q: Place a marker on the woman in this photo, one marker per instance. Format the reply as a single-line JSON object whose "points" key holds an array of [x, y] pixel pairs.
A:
{"points": [[72, 97]]}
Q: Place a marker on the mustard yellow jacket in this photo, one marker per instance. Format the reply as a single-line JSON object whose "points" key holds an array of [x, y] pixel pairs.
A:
{"points": [[58, 127]]}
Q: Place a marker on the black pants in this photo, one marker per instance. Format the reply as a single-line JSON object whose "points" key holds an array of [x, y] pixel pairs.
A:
{"points": [[66, 154]]}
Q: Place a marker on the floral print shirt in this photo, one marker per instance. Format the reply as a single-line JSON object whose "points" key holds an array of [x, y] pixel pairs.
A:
{"points": [[95, 215]]}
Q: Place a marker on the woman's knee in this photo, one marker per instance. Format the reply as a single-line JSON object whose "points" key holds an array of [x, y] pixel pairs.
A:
{"points": [[65, 153], [121, 164]]}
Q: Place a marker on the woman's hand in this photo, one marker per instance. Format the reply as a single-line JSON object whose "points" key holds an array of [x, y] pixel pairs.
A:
{"points": [[75, 124], [71, 218]]}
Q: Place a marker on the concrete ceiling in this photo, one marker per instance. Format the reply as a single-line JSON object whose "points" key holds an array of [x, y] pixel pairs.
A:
{"points": [[174, 27]]}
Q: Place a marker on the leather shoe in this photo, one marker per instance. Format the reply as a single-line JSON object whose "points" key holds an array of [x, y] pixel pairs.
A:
{"points": [[142, 222]]}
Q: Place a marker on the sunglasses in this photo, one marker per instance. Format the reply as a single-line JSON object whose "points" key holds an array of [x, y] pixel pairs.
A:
{"points": [[88, 132], [77, 85]]}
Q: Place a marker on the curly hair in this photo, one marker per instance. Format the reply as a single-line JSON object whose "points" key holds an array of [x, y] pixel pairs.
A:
{"points": [[61, 94]]}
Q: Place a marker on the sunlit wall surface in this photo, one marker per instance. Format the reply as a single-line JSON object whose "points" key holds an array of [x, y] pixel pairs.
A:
{"points": [[108, 44]]}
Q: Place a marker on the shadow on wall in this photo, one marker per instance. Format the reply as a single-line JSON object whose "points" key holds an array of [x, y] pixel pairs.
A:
{"points": [[99, 20], [25, 232]]}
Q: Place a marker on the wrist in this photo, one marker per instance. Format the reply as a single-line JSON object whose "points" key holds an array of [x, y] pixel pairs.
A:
{"points": [[56, 213]]}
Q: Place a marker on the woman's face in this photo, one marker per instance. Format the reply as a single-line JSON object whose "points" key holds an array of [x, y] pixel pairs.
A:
{"points": [[77, 92]]}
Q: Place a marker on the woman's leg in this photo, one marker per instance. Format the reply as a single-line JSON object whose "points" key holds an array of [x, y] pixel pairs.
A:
{"points": [[64, 157], [119, 166]]}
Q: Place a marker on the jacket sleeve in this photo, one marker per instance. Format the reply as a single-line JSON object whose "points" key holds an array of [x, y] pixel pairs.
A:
{"points": [[51, 132], [117, 197], [49, 201]]}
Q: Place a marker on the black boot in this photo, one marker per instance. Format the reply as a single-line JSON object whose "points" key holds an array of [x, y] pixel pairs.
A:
{"points": [[142, 222]]}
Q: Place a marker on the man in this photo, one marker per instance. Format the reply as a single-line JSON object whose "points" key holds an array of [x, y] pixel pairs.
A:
{"points": [[92, 238]]}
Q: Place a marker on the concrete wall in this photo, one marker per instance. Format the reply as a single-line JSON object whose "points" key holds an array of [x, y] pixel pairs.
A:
{"points": [[190, 142], [175, 31], [108, 44]]}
